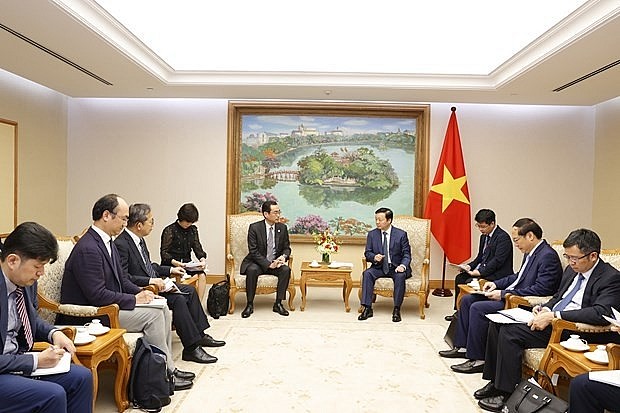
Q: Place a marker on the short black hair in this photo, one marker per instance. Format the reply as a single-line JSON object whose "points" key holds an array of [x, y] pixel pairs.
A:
{"points": [[107, 202], [389, 215], [526, 225], [188, 212], [30, 240], [485, 216], [266, 207], [586, 240]]}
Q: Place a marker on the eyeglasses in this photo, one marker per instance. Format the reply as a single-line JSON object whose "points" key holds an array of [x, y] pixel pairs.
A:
{"points": [[124, 219], [572, 259], [517, 239], [277, 212]]}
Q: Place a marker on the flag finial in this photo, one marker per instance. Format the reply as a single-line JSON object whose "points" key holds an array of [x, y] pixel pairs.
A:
{"points": [[453, 108]]}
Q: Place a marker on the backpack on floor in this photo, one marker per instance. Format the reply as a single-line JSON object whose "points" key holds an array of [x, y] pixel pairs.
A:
{"points": [[150, 382], [218, 298]]}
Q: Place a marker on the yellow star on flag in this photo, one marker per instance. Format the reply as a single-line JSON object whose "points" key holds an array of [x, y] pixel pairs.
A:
{"points": [[450, 189]]}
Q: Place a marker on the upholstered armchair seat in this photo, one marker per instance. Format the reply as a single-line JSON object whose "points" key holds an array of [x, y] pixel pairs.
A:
{"points": [[237, 249], [418, 231]]}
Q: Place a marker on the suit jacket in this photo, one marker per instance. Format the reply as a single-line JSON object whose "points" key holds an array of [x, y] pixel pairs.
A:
{"points": [[132, 262], [602, 292], [40, 330], [496, 259], [400, 250], [92, 278], [540, 277], [257, 245]]}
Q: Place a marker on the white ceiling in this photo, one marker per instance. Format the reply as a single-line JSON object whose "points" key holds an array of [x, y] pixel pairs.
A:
{"points": [[55, 42]]}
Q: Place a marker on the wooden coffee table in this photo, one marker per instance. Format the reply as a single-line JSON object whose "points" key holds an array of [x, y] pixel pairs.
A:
{"points": [[573, 362], [104, 347], [324, 276]]}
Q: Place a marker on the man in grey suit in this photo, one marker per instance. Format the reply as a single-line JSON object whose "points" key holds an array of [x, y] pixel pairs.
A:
{"points": [[94, 276], [268, 251], [389, 252], [588, 290]]}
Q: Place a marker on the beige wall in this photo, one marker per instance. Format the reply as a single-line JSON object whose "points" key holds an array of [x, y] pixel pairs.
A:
{"points": [[536, 161], [41, 115], [606, 199], [166, 152]]}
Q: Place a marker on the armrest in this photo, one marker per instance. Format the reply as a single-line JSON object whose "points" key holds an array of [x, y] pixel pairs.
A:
{"points": [[613, 351], [560, 325], [68, 331], [513, 301], [111, 311]]}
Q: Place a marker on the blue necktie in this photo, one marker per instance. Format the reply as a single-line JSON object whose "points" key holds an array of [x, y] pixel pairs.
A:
{"points": [[566, 300], [147, 261], [385, 263]]}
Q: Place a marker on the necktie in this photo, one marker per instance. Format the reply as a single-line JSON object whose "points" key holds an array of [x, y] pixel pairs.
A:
{"points": [[20, 303], [486, 243], [270, 245], [385, 263], [147, 261], [569, 297]]}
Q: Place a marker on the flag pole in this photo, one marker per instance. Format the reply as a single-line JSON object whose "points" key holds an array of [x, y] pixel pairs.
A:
{"points": [[443, 292]]}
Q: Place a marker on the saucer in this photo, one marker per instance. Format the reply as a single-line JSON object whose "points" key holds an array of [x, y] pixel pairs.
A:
{"points": [[99, 331], [314, 266], [334, 266], [599, 357], [571, 347], [81, 340]]}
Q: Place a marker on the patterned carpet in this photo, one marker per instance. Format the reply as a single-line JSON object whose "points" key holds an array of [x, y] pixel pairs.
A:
{"points": [[325, 360]]}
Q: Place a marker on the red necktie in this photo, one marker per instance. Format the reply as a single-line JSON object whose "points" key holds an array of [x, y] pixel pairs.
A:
{"points": [[20, 303]]}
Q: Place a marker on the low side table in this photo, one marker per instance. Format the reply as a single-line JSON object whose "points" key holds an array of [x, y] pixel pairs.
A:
{"points": [[106, 345], [324, 276], [573, 362]]}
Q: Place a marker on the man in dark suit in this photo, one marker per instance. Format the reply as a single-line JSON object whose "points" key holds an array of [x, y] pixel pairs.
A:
{"points": [[539, 275], [494, 259], [188, 315], [268, 252], [389, 252], [588, 290], [94, 276], [26, 251]]}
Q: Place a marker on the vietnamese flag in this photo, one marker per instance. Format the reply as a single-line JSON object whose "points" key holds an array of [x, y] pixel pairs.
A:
{"points": [[447, 205]]}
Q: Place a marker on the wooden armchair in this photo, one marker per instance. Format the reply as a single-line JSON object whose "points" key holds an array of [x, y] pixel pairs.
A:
{"points": [[419, 234], [237, 248]]}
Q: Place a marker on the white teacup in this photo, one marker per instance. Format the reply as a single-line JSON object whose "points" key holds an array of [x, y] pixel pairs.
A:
{"points": [[81, 333], [314, 263], [94, 326], [601, 347], [575, 341]]}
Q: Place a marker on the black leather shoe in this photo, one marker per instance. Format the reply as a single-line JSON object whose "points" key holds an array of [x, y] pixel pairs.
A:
{"points": [[208, 341], [492, 404], [453, 353], [367, 313], [248, 310], [396, 315], [487, 391], [279, 308], [450, 317], [198, 355], [185, 375], [468, 367], [182, 384]]}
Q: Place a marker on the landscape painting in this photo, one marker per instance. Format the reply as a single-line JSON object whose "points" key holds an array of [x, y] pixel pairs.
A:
{"points": [[327, 165]]}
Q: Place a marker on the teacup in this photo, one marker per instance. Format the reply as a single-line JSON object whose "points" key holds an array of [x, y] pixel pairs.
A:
{"points": [[601, 347], [575, 341], [81, 333], [314, 263], [94, 326]]}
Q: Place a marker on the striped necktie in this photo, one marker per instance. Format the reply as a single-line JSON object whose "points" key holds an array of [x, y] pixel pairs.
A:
{"points": [[385, 265], [20, 303], [147, 261]]}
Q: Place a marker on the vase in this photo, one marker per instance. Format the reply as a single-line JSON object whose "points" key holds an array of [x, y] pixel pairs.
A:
{"points": [[325, 258]]}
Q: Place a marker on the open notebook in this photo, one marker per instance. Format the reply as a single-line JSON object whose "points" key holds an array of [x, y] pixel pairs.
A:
{"points": [[62, 367]]}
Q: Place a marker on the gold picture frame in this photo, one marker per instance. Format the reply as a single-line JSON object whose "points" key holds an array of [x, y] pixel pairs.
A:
{"points": [[275, 148], [8, 175]]}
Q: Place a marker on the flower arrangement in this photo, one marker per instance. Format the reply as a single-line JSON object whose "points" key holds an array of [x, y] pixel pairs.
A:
{"points": [[327, 243]]}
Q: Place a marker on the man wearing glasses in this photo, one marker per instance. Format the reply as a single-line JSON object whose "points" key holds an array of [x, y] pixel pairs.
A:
{"points": [[494, 259], [539, 275], [588, 290], [268, 252], [94, 276]]}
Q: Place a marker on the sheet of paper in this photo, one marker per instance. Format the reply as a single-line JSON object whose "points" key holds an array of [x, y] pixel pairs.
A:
{"points": [[171, 287], [62, 367], [518, 314], [606, 376], [158, 302], [501, 319], [194, 265]]}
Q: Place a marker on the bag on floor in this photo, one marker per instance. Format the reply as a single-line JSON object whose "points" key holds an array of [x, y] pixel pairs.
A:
{"points": [[150, 382], [530, 398], [450, 335], [218, 298]]}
